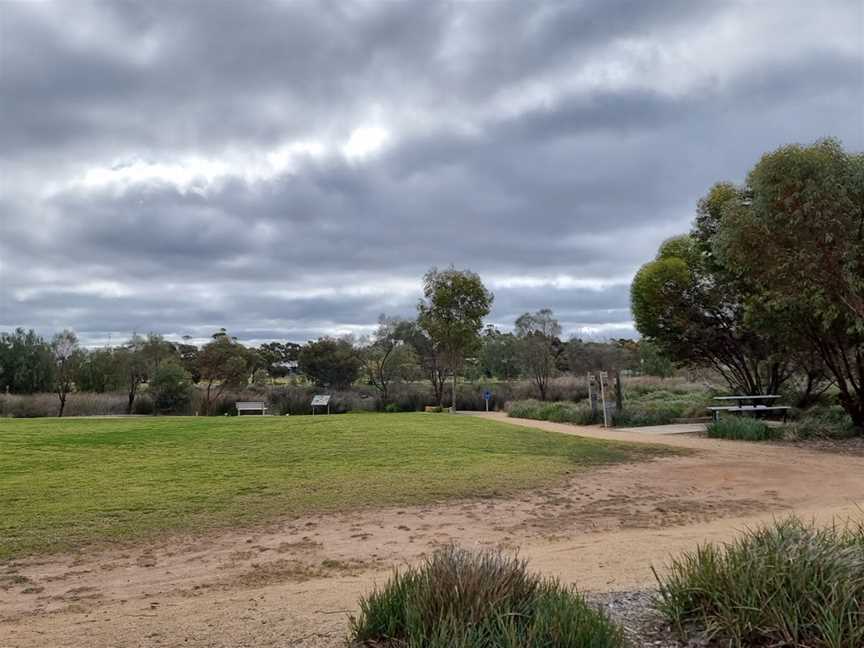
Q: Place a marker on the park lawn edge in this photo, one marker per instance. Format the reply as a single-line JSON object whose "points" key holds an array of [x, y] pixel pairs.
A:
{"points": [[248, 511]]}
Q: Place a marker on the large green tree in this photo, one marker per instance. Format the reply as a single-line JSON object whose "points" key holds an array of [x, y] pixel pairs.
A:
{"points": [[452, 311], [429, 356], [693, 307], [98, 371], [26, 363], [386, 357], [330, 362], [538, 338], [498, 354], [797, 230], [223, 363]]}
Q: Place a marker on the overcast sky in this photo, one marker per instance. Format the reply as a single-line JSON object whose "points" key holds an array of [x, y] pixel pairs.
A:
{"points": [[291, 169]]}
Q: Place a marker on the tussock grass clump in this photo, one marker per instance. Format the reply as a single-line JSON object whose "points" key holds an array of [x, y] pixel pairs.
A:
{"points": [[789, 584], [821, 422], [463, 599], [739, 428]]}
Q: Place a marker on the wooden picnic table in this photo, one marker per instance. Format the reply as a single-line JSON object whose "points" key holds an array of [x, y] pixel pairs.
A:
{"points": [[741, 408], [741, 398]]}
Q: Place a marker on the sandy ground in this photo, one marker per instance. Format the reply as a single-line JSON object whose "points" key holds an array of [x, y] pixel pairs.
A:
{"points": [[295, 583]]}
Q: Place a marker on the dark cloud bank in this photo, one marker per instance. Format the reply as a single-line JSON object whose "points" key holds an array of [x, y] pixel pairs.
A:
{"points": [[290, 169]]}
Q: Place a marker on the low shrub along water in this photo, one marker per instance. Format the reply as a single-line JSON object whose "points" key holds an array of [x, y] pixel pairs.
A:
{"points": [[463, 599], [788, 584]]}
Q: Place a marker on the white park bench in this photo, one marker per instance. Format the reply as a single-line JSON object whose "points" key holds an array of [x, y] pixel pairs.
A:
{"points": [[251, 406]]}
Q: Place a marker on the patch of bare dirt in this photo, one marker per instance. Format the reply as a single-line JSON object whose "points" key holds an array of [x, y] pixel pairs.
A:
{"points": [[295, 583]]}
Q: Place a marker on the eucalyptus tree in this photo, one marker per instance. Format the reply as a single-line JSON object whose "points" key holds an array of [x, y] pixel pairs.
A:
{"points": [[451, 313]]}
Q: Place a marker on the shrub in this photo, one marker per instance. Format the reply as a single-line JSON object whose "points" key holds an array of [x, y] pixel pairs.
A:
{"points": [[78, 404], [739, 428], [171, 389], [392, 408], [821, 423], [463, 599], [788, 584], [557, 412]]}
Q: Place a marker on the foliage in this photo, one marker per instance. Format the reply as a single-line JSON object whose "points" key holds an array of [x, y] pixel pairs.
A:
{"points": [[557, 412], [67, 361], [433, 364], [155, 351], [584, 356], [693, 310], [98, 371], [223, 363], [456, 301], [820, 422], [132, 478], [644, 404], [386, 357], [788, 584], [538, 345], [742, 428], [187, 355], [330, 362], [464, 599], [131, 367], [277, 355], [26, 363], [652, 362], [170, 388], [498, 355], [800, 235]]}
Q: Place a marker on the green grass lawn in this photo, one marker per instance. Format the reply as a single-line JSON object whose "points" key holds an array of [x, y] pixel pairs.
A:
{"points": [[65, 483]]}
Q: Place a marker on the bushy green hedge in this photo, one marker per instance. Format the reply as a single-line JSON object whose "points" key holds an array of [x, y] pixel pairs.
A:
{"points": [[462, 599], [789, 584], [651, 408], [558, 412], [740, 428]]}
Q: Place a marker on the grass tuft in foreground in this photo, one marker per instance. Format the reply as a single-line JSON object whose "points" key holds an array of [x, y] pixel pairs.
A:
{"points": [[739, 428], [790, 584], [463, 599], [65, 483]]}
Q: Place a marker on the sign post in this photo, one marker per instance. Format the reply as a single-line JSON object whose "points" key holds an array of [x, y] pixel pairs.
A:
{"points": [[603, 377], [592, 395], [487, 396], [321, 400]]}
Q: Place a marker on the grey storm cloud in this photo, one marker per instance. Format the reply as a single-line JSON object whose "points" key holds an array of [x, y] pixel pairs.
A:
{"points": [[291, 169]]}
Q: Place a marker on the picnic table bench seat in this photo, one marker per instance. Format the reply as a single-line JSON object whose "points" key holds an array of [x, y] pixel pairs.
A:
{"points": [[742, 409]]}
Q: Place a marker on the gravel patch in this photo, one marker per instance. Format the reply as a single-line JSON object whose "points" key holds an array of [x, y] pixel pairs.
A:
{"points": [[643, 626]]}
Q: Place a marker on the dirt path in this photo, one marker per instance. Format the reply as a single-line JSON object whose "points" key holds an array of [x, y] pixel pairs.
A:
{"points": [[294, 583]]}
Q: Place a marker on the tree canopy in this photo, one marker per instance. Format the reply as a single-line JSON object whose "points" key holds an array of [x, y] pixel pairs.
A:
{"points": [[456, 301]]}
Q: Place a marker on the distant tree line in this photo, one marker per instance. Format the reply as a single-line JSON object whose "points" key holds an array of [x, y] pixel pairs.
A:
{"points": [[767, 288], [445, 340]]}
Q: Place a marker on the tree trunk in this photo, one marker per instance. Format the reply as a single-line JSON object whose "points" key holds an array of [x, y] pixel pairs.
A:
{"points": [[541, 387], [453, 400], [131, 400], [62, 397]]}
